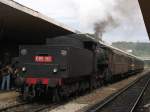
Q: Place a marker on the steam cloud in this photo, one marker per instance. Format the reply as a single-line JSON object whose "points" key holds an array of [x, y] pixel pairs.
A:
{"points": [[101, 26], [107, 14]]}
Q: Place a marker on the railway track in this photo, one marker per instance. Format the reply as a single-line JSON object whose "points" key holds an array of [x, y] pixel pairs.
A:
{"points": [[37, 107], [7, 107], [144, 103], [125, 100], [1, 92], [29, 107]]}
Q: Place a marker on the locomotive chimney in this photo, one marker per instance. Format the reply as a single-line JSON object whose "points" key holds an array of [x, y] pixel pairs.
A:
{"points": [[99, 29], [98, 36]]}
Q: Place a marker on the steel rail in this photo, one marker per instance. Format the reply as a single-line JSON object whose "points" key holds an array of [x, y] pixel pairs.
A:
{"points": [[2, 92], [49, 107], [31, 107], [112, 97], [13, 106], [138, 99]]}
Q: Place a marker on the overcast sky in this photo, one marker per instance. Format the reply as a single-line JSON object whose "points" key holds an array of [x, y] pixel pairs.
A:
{"points": [[82, 15]]}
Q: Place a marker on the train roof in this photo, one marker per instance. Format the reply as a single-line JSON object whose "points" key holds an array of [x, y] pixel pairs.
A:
{"points": [[81, 37], [90, 38], [114, 48], [73, 40]]}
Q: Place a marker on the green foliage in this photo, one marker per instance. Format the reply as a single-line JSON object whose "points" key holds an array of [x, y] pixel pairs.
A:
{"points": [[139, 49]]}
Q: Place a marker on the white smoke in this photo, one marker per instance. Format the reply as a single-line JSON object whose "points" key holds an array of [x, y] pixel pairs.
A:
{"points": [[105, 15]]}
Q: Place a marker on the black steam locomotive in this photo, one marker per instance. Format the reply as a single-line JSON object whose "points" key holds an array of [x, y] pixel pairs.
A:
{"points": [[71, 64]]}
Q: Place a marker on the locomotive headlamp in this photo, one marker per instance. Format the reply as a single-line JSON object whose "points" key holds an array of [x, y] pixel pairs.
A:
{"points": [[63, 52], [23, 51], [55, 70], [24, 69]]}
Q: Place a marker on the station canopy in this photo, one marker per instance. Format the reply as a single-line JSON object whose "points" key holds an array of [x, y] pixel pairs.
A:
{"points": [[22, 25], [145, 7]]}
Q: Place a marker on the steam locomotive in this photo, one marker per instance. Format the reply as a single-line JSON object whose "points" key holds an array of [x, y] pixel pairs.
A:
{"points": [[72, 64]]}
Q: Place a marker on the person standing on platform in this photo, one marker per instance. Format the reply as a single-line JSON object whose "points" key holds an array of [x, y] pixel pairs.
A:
{"points": [[6, 72]]}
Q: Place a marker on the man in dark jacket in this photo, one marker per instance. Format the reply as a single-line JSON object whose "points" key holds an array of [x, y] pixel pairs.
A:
{"points": [[6, 72]]}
